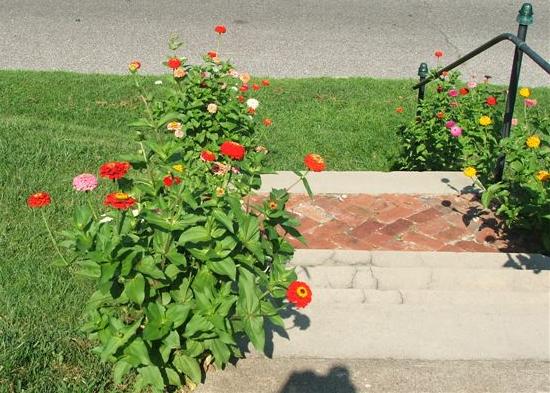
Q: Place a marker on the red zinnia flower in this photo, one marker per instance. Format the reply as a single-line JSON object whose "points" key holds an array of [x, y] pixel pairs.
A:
{"points": [[439, 88], [244, 87], [438, 53], [240, 98], [40, 199], [454, 104], [399, 109], [265, 82], [314, 162], [267, 122], [491, 101], [256, 87], [233, 150], [119, 200], [252, 111], [220, 29], [212, 54], [114, 170], [207, 155], [299, 293], [463, 91], [170, 180], [440, 115], [173, 63]]}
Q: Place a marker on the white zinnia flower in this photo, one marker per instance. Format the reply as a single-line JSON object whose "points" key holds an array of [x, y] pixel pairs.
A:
{"points": [[212, 108], [179, 133], [159, 82], [252, 103]]}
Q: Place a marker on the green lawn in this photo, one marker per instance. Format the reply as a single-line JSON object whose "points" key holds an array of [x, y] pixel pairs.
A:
{"points": [[56, 125]]}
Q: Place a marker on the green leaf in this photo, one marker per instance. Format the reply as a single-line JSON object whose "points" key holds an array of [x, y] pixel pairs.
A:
{"points": [[188, 366], [149, 376], [223, 219], [88, 268], [176, 258], [307, 187], [138, 353], [197, 324], [170, 342], [177, 314], [173, 377], [254, 328], [194, 235], [120, 369], [148, 267], [135, 289], [225, 267]]}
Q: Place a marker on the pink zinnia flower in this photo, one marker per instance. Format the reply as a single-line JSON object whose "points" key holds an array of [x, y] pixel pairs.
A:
{"points": [[452, 93], [456, 131], [450, 124], [471, 84], [85, 182], [530, 102], [514, 121]]}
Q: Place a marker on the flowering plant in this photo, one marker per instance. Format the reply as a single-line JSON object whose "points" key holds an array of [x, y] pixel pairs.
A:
{"points": [[185, 263]]}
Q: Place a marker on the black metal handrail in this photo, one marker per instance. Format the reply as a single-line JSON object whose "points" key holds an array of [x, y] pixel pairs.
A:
{"points": [[524, 18]]}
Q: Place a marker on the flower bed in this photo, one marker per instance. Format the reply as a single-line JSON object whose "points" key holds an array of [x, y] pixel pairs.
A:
{"points": [[459, 128], [184, 263]]}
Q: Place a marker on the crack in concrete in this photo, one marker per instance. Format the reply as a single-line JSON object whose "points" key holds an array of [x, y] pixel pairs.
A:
{"points": [[430, 280], [355, 272], [401, 296], [373, 277], [441, 31]]}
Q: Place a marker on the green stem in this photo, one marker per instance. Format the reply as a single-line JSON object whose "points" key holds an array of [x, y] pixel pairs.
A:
{"points": [[121, 221], [53, 239], [301, 178], [89, 199], [147, 165]]}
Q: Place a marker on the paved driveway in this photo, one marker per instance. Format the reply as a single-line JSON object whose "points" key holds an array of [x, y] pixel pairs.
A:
{"points": [[290, 38]]}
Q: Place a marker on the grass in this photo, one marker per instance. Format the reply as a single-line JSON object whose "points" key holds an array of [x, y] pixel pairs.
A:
{"points": [[54, 125]]}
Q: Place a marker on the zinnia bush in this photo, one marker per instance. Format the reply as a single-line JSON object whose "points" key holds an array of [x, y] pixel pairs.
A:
{"points": [[185, 265]]}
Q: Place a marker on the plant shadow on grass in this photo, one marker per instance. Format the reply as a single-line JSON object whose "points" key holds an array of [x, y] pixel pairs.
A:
{"points": [[337, 380]]}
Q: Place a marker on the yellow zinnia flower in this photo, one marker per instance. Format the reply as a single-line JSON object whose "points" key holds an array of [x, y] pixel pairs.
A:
{"points": [[543, 176], [533, 142], [470, 171], [524, 92], [178, 168], [485, 120], [220, 192]]}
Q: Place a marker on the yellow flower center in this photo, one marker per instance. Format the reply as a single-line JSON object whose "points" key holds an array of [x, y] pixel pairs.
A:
{"points": [[543, 175], [301, 292], [317, 158], [220, 192], [272, 205], [121, 196], [533, 142]]}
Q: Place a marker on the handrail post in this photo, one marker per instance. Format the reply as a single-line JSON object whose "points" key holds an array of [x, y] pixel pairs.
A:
{"points": [[422, 74], [524, 18]]}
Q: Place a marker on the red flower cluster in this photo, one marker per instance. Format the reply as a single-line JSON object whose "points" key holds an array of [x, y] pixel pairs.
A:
{"points": [[440, 115], [256, 87], [240, 98], [233, 150], [207, 155], [212, 54], [173, 63], [463, 91], [491, 101], [267, 122], [438, 53], [170, 180], [114, 170], [399, 109], [299, 293], [244, 88], [40, 199], [314, 162], [119, 200], [265, 82], [220, 29]]}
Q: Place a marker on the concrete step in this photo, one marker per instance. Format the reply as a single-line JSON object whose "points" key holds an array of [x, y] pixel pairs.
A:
{"points": [[351, 330], [353, 296], [389, 278]]}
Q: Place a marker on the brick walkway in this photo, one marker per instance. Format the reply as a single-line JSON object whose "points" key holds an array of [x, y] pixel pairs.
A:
{"points": [[402, 222]]}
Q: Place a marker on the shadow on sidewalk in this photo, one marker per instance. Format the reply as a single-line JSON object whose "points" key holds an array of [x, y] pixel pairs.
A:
{"points": [[336, 381]]}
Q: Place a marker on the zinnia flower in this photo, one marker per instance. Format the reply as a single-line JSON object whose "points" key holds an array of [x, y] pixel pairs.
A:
{"points": [[267, 122], [220, 192], [299, 293], [220, 29], [485, 120], [491, 101], [438, 53], [314, 162], [399, 109], [514, 121], [220, 169], [470, 172], [243, 88], [170, 180], [173, 126], [255, 87], [178, 168], [450, 124], [212, 108], [272, 205], [233, 150], [471, 84], [179, 133], [261, 149], [207, 155], [39, 199], [456, 131], [440, 115], [245, 77], [119, 200], [524, 92], [543, 175], [134, 66], [212, 54], [179, 73], [265, 82], [240, 99], [252, 103], [530, 102], [533, 142], [463, 91], [85, 182], [452, 93], [114, 170], [173, 63]]}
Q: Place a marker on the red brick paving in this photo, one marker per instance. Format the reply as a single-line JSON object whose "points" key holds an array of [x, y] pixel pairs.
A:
{"points": [[402, 222]]}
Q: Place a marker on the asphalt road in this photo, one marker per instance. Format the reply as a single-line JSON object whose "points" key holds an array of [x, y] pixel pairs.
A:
{"points": [[283, 38]]}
